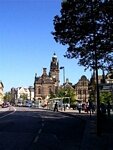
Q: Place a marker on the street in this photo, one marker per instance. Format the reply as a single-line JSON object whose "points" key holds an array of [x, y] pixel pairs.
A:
{"points": [[32, 129]]}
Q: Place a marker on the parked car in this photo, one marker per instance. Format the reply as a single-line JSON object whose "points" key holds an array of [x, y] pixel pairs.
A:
{"points": [[28, 104], [73, 106], [19, 104], [5, 105]]}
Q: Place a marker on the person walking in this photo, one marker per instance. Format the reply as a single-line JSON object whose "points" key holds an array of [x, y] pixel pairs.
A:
{"points": [[56, 107], [108, 108], [79, 107], [64, 107]]}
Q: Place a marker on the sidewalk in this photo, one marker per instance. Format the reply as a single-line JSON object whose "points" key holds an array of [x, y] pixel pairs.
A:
{"points": [[90, 139], [4, 109], [10, 108]]}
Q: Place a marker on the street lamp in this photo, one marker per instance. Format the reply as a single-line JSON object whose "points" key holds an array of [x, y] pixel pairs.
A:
{"points": [[63, 73]]}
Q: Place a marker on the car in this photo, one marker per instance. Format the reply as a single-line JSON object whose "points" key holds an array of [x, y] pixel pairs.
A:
{"points": [[28, 104], [73, 106], [19, 104], [5, 105]]}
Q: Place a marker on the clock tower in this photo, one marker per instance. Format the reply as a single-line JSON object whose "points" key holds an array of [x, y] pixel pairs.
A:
{"points": [[54, 70]]}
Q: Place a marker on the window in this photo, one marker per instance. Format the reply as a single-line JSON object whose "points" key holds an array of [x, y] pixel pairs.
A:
{"points": [[50, 90], [79, 91], [84, 91], [39, 90]]}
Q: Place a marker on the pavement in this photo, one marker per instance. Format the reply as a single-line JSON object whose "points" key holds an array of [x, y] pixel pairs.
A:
{"points": [[10, 108], [90, 140]]}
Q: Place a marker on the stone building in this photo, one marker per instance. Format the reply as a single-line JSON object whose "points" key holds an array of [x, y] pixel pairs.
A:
{"points": [[19, 92], [81, 89], [46, 84], [1, 92], [105, 83]]}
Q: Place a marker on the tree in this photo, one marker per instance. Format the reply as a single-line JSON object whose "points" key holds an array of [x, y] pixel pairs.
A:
{"points": [[23, 96], [7, 97], [105, 96], [86, 27], [67, 93]]}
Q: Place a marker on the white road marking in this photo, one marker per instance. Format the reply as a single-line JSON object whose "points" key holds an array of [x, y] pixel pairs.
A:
{"points": [[42, 124], [39, 132], [8, 113], [36, 139]]}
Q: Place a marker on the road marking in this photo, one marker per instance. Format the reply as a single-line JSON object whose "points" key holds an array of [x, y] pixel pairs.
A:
{"points": [[8, 113], [42, 124], [39, 132], [37, 137]]}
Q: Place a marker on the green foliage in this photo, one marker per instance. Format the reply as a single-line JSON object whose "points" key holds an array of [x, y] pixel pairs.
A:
{"points": [[105, 96], [7, 97], [52, 95], [23, 96], [66, 93], [86, 28]]}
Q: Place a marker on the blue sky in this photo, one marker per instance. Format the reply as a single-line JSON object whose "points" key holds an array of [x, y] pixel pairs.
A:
{"points": [[26, 43]]}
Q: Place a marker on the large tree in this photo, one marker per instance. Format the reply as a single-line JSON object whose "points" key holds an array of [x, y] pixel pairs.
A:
{"points": [[86, 27]]}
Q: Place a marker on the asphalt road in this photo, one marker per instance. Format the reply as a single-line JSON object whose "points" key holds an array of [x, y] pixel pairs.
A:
{"points": [[36, 129]]}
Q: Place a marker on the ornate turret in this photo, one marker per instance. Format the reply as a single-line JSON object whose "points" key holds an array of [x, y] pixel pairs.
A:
{"points": [[54, 69], [54, 63]]}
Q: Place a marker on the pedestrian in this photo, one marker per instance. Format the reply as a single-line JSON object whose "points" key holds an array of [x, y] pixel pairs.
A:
{"points": [[108, 108], [79, 107], [64, 107], [103, 108], [87, 107], [56, 107]]}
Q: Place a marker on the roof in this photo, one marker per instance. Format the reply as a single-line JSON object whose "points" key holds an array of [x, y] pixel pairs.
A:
{"points": [[45, 80]]}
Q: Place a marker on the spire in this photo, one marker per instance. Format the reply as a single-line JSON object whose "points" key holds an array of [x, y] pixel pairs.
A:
{"points": [[54, 56], [44, 71]]}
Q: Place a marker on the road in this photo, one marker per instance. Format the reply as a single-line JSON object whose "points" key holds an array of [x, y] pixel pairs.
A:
{"points": [[36, 129]]}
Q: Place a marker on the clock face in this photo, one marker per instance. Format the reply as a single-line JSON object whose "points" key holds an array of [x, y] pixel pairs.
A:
{"points": [[54, 76]]}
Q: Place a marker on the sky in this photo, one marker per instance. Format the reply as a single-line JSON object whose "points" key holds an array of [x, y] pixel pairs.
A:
{"points": [[27, 45]]}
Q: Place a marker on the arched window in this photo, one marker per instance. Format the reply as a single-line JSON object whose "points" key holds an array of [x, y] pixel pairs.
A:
{"points": [[84, 91], [50, 90], [79, 91]]}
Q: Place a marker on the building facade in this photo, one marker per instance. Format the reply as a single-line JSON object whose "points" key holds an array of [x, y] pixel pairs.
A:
{"points": [[1, 92], [81, 89], [46, 84], [105, 83], [20, 92]]}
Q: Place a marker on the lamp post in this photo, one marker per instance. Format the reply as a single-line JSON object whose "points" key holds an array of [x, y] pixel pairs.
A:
{"points": [[63, 73]]}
